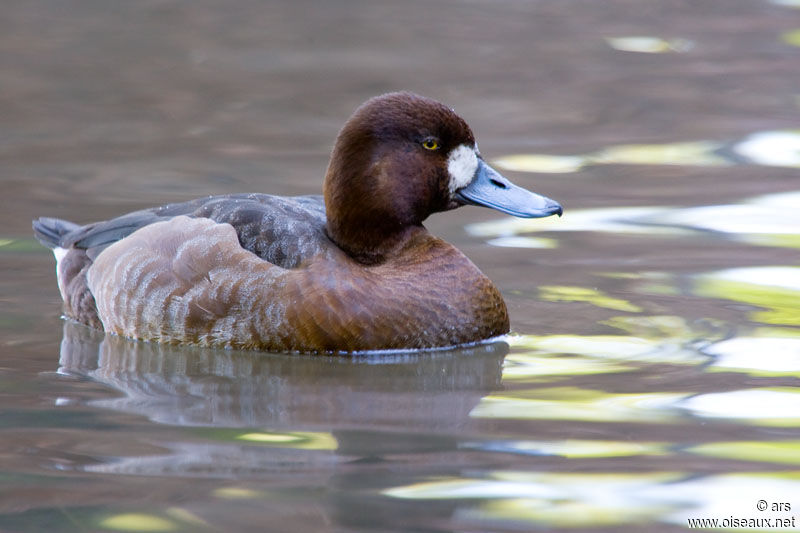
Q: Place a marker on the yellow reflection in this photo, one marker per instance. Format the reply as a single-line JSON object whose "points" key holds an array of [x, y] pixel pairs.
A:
{"points": [[656, 348], [570, 403], [649, 45], [777, 289], [654, 326], [184, 515], [529, 366], [784, 452], [237, 493], [699, 153], [791, 37], [780, 241], [299, 440], [561, 293], [137, 522]]}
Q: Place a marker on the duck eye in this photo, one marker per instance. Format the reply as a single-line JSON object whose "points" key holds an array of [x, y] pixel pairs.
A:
{"points": [[430, 144]]}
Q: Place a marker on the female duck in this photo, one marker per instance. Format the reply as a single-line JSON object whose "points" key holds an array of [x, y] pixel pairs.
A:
{"points": [[356, 271]]}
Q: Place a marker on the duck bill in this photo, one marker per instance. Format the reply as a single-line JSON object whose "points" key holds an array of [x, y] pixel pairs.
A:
{"points": [[490, 189]]}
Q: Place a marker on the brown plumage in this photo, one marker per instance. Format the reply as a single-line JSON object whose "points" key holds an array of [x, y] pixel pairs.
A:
{"points": [[354, 272]]}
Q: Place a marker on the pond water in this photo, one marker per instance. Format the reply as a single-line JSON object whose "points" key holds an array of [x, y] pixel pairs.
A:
{"points": [[652, 373]]}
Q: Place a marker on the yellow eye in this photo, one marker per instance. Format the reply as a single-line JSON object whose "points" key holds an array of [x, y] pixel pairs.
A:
{"points": [[430, 144]]}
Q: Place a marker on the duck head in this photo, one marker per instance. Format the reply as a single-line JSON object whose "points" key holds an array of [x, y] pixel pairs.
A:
{"points": [[401, 157]]}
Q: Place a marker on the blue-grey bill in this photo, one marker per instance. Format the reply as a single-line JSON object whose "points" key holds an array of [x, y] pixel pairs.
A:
{"points": [[490, 189]]}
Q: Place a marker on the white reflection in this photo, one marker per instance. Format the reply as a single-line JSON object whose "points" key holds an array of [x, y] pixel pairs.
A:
{"points": [[776, 354], [771, 148], [755, 405], [784, 277], [724, 496]]}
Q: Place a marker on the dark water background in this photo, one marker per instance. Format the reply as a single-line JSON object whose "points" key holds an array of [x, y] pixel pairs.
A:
{"points": [[653, 372]]}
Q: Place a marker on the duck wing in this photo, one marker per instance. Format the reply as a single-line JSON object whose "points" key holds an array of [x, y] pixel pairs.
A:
{"points": [[282, 230]]}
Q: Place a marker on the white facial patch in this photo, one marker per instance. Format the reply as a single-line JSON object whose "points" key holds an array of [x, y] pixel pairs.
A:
{"points": [[60, 253], [462, 165]]}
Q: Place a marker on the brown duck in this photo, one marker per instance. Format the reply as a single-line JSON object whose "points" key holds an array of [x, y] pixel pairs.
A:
{"points": [[353, 271]]}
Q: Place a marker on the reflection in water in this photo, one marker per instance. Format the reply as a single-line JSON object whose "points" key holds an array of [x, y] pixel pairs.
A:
{"points": [[767, 148], [779, 355], [776, 290], [313, 421], [649, 45], [771, 407], [226, 388], [770, 220]]}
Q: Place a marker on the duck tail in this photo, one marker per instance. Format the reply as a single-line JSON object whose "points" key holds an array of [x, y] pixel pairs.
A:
{"points": [[50, 231]]}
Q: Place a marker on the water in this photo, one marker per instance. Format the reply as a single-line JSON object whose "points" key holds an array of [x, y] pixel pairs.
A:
{"points": [[652, 374]]}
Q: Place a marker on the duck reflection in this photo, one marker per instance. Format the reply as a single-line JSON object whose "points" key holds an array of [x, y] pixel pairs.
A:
{"points": [[228, 388]]}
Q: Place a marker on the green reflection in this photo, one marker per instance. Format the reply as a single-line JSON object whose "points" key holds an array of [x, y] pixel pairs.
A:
{"points": [[776, 289], [561, 293]]}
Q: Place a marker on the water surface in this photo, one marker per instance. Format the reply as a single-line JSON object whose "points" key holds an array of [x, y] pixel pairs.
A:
{"points": [[653, 368]]}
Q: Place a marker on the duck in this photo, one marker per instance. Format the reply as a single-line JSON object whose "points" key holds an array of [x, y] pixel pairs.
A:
{"points": [[353, 270]]}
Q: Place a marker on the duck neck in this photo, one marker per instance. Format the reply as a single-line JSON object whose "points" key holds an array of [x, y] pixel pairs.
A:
{"points": [[367, 242]]}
